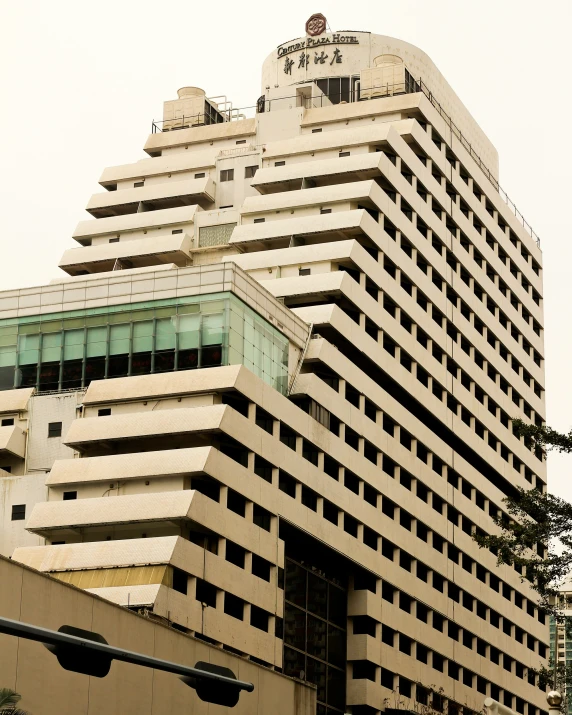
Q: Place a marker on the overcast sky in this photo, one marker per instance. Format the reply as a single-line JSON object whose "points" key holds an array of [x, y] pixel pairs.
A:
{"points": [[82, 81]]}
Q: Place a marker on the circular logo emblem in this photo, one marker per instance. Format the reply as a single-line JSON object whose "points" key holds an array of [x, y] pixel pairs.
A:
{"points": [[316, 25]]}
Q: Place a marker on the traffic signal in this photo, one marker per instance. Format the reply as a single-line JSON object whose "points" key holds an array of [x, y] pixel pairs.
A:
{"points": [[214, 691], [78, 658], [89, 653]]}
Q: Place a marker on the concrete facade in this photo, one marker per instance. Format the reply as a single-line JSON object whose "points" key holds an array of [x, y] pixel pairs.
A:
{"points": [[31, 670], [285, 391]]}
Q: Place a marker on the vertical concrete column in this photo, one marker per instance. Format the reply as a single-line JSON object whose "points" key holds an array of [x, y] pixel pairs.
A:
{"points": [[321, 457], [248, 562], [429, 459], [221, 549], [246, 612], [251, 411], [250, 461]]}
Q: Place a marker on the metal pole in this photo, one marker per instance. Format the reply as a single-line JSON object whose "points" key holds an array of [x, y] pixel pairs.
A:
{"points": [[49, 637]]}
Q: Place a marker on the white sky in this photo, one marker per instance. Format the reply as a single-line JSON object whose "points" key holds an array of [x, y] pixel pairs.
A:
{"points": [[82, 81]]}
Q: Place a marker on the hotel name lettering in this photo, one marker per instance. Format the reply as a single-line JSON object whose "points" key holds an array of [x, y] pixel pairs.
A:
{"points": [[311, 51]]}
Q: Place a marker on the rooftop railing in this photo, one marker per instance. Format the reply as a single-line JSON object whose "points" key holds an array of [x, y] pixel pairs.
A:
{"points": [[409, 86]]}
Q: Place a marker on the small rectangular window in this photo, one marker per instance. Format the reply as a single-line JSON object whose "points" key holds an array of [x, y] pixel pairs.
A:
{"points": [[138, 184], [104, 412], [344, 153], [177, 230], [200, 175], [113, 240], [316, 131], [279, 163], [250, 171], [55, 429], [18, 512], [304, 271], [227, 175], [325, 211], [70, 495], [7, 421], [241, 141], [180, 580], [7, 468], [259, 220]]}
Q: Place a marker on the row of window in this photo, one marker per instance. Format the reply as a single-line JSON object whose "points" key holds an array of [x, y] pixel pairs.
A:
{"points": [[478, 193], [228, 174], [290, 486], [364, 669], [382, 378], [423, 376], [396, 312], [481, 293], [234, 606], [454, 298], [352, 526], [366, 625], [335, 470], [455, 230]]}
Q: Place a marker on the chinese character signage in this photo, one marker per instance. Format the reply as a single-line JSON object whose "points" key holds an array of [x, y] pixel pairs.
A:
{"points": [[317, 44], [314, 51]]}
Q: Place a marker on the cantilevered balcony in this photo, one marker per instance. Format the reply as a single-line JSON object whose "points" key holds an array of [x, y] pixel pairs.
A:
{"points": [[139, 253], [167, 508], [166, 195], [15, 400], [165, 218], [173, 164], [303, 230], [365, 193], [12, 442], [124, 467], [98, 554], [145, 431], [322, 172]]}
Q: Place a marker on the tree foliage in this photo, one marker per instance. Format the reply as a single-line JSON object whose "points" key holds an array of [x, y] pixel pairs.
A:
{"points": [[9, 700], [537, 536]]}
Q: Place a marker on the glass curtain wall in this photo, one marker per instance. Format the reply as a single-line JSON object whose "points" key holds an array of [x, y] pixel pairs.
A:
{"points": [[315, 633], [65, 351]]}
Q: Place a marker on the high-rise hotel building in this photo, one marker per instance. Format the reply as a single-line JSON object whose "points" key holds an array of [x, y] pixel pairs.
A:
{"points": [[270, 402]]}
